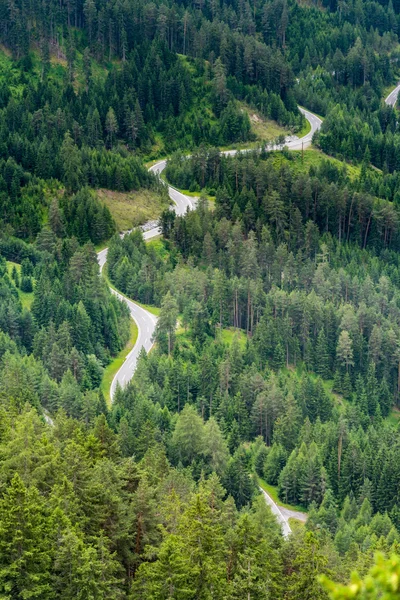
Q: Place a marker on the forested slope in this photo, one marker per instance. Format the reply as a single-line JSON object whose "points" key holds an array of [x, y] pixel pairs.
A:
{"points": [[276, 357]]}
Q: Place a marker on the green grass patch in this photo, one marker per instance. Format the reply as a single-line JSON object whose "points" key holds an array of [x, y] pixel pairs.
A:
{"points": [[102, 246], [394, 417], [229, 334], [157, 150], [300, 162], [157, 244], [154, 161], [112, 369], [197, 194], [264, 129], [188, 193], [272, 491], [304, 130], [25, 297], [130, 209], [295, 524]]}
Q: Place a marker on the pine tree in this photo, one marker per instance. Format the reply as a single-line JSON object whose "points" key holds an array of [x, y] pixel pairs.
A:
{"points": [[94, 129], [347, 386], [85, 570], [111, 127], [238, 482], [255, 569], [205, 548], [71, 164], [278, 359], [166, 323], [308, 564], [274, 463], [322, 356], [188, 438], [372, 390], [344, 350], [168, 576], [141, 131], [385, 398], [216, 448], [26, 550]]}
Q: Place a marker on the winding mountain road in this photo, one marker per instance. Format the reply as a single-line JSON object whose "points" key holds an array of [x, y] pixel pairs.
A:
{"points": [[146, 321]]}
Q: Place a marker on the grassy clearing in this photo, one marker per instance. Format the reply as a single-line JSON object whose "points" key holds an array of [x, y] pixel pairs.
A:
{"points": [[112, 369], [273, 492], [157, 150], [295, 524], [25, 297], [300, 369], [229, 334], [152, 162], [311, 157], [188, 193], [102, 246], [158, 246], [59, 67], [394, 417], [130, 209], [263, 128]]}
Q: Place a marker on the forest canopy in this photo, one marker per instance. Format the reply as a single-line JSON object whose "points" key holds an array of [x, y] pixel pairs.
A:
{"points": [[275, 371]]}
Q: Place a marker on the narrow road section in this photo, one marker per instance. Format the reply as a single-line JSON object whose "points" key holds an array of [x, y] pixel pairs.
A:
{"points": [[146, 321], [392, 98], [146, 324], [276, 510]]}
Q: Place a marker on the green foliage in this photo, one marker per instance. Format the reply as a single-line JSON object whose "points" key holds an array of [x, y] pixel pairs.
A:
{"points": [[156, 498], [381, 581]]}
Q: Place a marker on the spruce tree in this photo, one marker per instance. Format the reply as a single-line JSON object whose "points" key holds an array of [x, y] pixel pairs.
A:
{"points": [[26, 550], [322, 356]]}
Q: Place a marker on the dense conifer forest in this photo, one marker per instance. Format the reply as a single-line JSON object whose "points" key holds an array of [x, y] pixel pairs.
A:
{"points": [[274, 379]]}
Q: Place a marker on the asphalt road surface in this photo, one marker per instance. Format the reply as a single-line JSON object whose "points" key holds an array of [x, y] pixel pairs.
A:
{"points": [[146, 321], [392, 98], [146, 324], [282, 519]]}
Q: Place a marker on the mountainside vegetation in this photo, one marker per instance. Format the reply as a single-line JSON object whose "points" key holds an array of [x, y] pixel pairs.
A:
{"points": [[276, 357]]}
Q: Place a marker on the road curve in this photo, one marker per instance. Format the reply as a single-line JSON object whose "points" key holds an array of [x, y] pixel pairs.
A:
{"points": [[146, 324], [392, 98], [146, 321]]}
